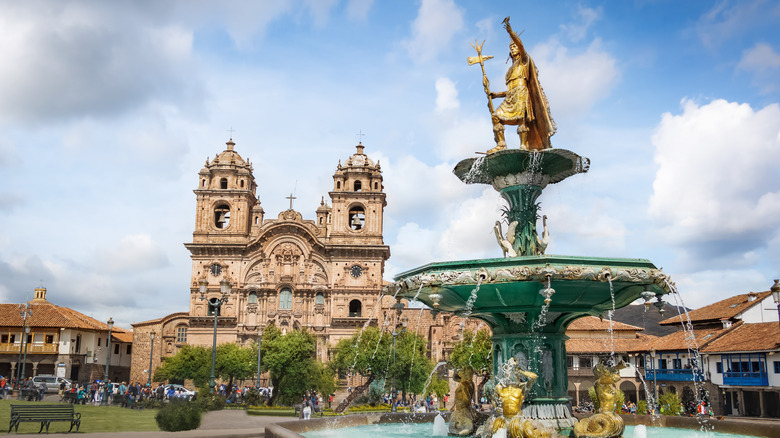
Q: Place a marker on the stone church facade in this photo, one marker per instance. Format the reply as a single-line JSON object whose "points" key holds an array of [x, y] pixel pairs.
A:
{"points": [[323, 275]]}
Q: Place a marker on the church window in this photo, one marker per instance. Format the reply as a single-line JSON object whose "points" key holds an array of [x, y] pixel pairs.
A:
{"points": [[181, 334], [252, 297], [223, 183], [222, 216], [285, 299], [376, 186], [321, 218], [242, 183], [358, 186], [357, 218], [319, 298], [203, 183], [338, 184], [213, 308], [355, 308]]}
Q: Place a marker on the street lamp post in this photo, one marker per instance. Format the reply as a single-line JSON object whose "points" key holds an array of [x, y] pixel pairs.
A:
{"points": [[259, 340], [24, 313], [655, 381], [395, 333], [151, 355], [775, 289], [104, 400], [214, 304]]}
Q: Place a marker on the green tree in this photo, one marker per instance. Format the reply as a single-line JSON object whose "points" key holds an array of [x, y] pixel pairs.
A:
{"points": [[235, 362], [670, 403], [474, 351], [412, 366], [193, 362], [290, 359], [189, 363], [370, 354]]}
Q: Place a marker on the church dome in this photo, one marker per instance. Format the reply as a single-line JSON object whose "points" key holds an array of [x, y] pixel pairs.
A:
{"points": [[359, 159], [229, 156]]}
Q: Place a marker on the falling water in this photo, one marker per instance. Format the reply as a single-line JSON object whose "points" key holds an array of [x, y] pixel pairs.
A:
{"points": [[471, 346], [370, 317], [430, 377], [414, 345], [651, 401], [547, 294], [472, 298], [693, 350], [611, 328], [477, 172]]}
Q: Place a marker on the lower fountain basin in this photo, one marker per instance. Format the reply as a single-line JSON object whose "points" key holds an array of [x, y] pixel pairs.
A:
{"points": [[421, 425]]}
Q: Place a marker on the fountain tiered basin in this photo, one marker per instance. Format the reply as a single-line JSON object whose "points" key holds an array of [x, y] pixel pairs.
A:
{"points": [[528, 302]]}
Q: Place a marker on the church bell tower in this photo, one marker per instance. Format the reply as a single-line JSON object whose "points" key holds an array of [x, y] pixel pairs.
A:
{"points": [[226, 196]]}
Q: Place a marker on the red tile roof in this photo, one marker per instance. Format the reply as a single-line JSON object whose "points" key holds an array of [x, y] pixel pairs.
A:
{"points": [[122, 335], [596, 346], [678, 340], [594, 323], [763, 336], [45, 314], [726, 309]]}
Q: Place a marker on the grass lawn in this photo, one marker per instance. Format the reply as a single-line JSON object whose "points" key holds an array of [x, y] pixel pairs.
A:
{"points": [[93, 419]]}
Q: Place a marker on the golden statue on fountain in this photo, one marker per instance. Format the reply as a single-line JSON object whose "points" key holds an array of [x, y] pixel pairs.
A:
{"points": [[606, 423], [525, 104], [511, 396]]}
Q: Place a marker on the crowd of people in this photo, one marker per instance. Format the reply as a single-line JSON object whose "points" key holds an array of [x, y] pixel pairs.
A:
{"points": [[33, 391]]}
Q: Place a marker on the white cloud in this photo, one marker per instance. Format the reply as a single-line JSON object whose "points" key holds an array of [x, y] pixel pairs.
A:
{"points": [[759, 57], [574, 81], [590, 229], [764, 63], [586, 17], [132, 254], [729, 19], [446, 96], [73, 59], [358, 9], [437, 21], [709, 286], [716, 192]]}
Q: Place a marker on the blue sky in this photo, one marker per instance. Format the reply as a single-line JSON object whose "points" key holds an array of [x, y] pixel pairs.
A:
{"points": [[109, 109]]}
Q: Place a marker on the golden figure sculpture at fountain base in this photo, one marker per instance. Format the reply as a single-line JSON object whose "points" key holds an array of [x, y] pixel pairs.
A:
{"points": [[512, 396], [606, 423], [464, 414]]}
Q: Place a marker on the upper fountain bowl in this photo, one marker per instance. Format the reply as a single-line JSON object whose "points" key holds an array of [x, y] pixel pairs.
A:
{"points": [[518, 166]]}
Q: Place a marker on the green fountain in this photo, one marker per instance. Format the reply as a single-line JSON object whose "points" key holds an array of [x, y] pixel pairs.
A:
{"points": [[529, 298]]}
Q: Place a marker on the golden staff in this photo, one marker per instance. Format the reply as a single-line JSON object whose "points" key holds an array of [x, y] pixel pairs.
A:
{"points": [[481, 59]]}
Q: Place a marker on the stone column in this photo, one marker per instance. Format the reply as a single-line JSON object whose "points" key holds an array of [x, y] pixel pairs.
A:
{"points": [[741, 402]]}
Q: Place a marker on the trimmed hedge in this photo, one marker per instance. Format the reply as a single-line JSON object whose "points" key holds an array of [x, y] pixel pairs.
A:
{"points": [[178, 416]]}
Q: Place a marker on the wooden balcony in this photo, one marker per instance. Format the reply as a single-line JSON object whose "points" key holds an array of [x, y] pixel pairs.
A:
{"points": [[32, 348]]}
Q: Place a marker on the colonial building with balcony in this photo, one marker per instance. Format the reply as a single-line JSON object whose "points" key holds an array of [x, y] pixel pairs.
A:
{"points": [[59, 341], [736, 339], [592, 340]]}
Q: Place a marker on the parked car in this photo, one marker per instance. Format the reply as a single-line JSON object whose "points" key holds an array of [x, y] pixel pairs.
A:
{"points": [[185, 393], [52, 382]]}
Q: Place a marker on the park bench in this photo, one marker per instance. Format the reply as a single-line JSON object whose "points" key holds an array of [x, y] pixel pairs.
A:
{"points": [[44, 414]]}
